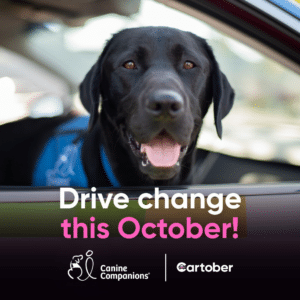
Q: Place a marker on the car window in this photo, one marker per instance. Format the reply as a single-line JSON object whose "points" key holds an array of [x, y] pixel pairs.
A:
{"points": [[27, 89], [264, 123]]}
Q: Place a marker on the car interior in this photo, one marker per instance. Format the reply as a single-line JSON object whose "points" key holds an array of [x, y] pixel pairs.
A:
{"points": [[261, 134]]}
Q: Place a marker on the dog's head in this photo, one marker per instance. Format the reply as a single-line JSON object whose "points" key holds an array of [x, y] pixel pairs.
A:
{"points": [[156, 85]]}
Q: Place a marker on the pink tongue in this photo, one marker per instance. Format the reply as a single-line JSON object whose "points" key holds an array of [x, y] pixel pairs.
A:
{"points": [[162, 151]]}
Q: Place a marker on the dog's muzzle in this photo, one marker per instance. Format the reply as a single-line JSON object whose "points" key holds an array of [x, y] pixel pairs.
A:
{"points": [[160, 155]]}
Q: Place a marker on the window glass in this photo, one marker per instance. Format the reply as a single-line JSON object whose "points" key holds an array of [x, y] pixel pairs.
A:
{"points": [[27, 89], [264, 123]]}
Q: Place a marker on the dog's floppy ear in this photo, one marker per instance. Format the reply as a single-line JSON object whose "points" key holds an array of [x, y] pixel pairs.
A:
{"points": [[223, 94], [90, 91]]}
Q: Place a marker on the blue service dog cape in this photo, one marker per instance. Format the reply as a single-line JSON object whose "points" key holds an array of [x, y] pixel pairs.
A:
{"points": [[60, 162]]}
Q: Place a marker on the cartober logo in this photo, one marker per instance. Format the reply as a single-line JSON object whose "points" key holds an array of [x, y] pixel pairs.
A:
{"points": [[181, 267], [215, 268]]}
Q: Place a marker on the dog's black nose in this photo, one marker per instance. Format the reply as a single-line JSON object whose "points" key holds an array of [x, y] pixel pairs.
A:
{"points": [[165, 102]]}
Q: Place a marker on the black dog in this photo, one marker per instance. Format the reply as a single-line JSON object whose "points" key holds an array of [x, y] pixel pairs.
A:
{"points": [[156, 85]]}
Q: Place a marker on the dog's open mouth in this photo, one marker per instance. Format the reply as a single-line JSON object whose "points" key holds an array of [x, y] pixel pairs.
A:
{"points": [[161, 152]]}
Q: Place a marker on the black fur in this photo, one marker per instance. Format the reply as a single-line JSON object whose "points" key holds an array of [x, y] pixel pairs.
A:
{"points": [[157, 97]]}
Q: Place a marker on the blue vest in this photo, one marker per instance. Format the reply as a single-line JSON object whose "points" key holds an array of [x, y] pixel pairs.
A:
{"points": [[60, 162]]}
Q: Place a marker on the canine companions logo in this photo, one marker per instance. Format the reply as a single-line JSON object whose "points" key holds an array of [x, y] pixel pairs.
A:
{"points": [[75, 264], [64, 167], [81, 268]]}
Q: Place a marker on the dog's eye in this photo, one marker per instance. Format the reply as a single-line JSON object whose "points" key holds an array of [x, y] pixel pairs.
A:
{"points": [[130, 65], [188, 65]]}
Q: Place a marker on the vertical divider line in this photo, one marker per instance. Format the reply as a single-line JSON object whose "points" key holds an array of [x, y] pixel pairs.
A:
{"points": [[165, 267]]}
